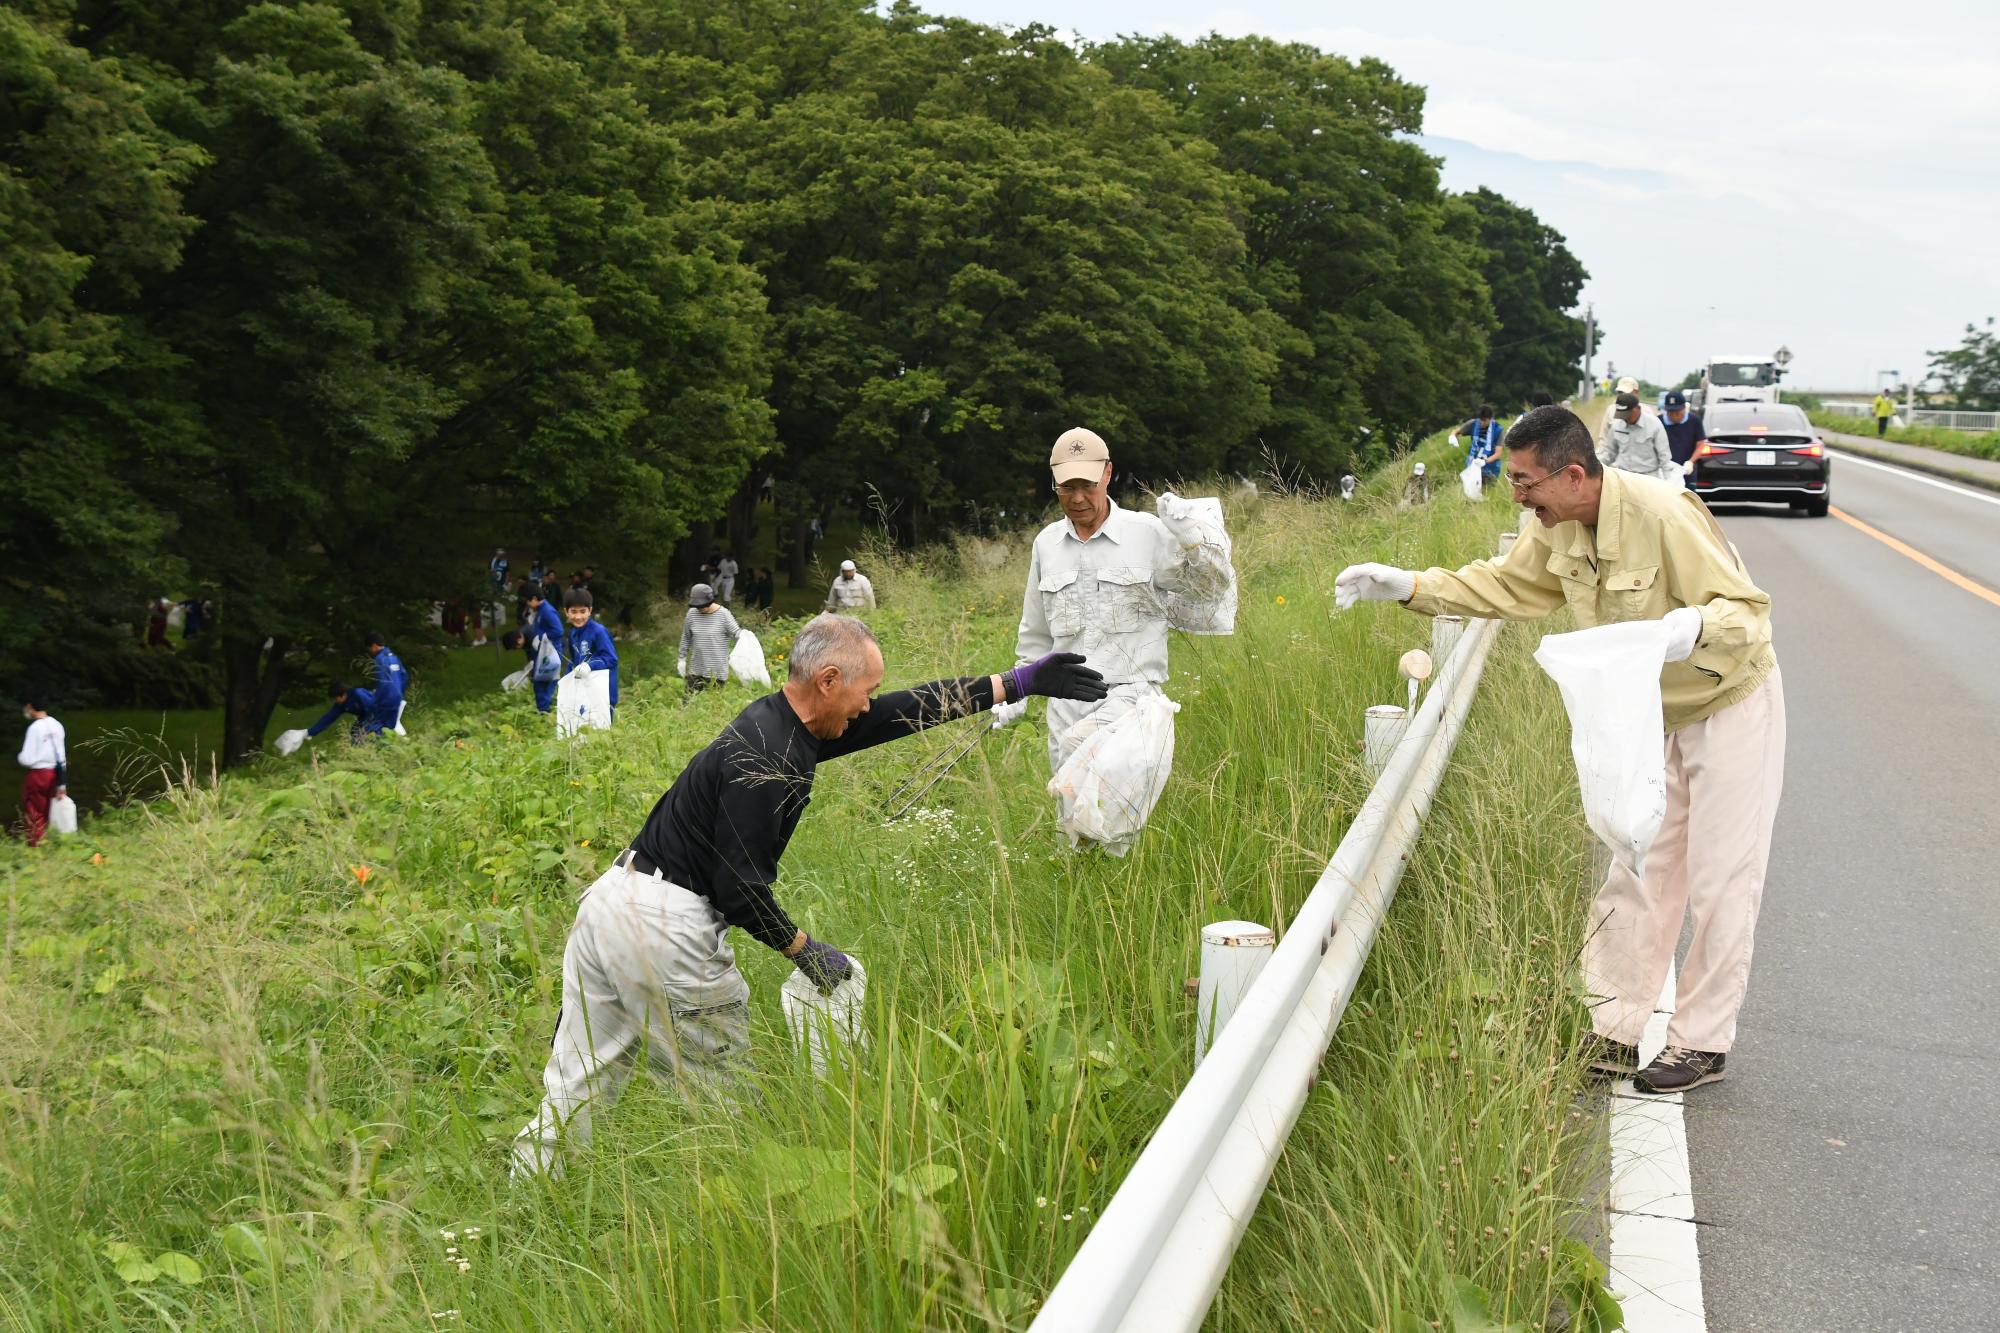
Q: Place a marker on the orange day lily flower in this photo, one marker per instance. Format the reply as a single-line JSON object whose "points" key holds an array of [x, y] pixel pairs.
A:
{"points": [[361, 873]]}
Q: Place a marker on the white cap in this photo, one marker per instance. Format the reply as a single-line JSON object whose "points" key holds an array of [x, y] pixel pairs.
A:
{"points": [[847, 566], [1626, 384], [1079, 455]]}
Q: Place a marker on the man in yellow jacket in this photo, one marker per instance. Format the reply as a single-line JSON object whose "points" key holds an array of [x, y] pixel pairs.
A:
{"points": [[1885, 407], [1613, 546]]}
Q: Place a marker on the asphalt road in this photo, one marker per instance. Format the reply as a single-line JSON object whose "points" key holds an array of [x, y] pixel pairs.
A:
{"points": [[1848, 1171]]}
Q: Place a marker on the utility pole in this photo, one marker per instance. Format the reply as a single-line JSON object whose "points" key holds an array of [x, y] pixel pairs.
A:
{"points": [[1589, 351]]}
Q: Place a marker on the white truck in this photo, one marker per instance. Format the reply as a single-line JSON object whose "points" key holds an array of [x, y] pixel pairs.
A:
{"points": [[1739, 379]]}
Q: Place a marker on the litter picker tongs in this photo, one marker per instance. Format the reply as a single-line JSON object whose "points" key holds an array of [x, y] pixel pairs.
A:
{"points": [[909, 794]]}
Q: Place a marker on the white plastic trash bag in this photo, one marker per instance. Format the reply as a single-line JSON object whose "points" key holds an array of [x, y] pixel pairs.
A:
{"points": [[288, 742], [398, 728], [1110, 783], [1212, 611], [515, 680], [746, 661], [62, 815], [1610, 683], [548, 661], [819, 1021], [1468, 481], [583, 703]]}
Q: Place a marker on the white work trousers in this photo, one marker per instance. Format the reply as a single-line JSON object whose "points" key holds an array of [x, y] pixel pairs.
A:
{"points": [[648, 975], [1724, 777], [1073, 721]]}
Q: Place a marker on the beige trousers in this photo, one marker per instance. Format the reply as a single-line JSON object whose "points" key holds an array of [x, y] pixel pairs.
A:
{"points": [[648, 978], [1724, 776]]}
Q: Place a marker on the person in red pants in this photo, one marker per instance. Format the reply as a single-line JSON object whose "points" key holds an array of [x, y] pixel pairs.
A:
{"points": [[45, 754]]}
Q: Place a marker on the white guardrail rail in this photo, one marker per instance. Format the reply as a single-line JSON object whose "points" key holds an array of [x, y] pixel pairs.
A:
{"points": [[1157, 1255]]}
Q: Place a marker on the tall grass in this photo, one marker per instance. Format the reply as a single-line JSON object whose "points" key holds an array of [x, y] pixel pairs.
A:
{"points": [[286, 1026]]}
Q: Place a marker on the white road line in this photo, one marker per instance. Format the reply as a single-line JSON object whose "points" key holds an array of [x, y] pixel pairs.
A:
{"points": [[1655, 1259], [1907, 475]]}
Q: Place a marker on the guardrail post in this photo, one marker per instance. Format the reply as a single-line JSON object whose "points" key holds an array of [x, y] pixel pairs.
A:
{"points": [[1232, 954], [1382, 731], [1444, 637]]}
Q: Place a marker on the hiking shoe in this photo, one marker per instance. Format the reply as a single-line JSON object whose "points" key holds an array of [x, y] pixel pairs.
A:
{"points": [[1678, 1069], [1606, 1058]]}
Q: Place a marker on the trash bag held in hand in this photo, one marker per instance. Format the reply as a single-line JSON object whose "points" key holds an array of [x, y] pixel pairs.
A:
{"points": [[1610, 683], [514, 680], [1468, 481], [746, 661], [818, 1022], [62, 815], [288, 742], [584, 702], [1111, 782], [1209, 610], [548, 660]]}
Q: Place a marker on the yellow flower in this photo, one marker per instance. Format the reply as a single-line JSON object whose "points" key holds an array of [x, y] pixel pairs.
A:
{"points": [[586, 842], [1281, 600]]}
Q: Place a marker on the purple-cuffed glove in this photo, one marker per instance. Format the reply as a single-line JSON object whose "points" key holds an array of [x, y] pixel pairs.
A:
{"points": [[824, 966], [1059, 676]]}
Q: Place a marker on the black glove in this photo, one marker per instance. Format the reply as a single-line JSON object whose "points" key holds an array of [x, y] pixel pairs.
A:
{"points": [[824, 966], [1059, 676]]}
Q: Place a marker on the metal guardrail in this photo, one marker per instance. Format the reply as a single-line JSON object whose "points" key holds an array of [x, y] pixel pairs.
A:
{"points": [[1976, 423], [1160, 1248]]}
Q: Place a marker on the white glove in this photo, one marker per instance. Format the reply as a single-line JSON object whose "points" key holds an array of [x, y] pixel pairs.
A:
{"points": [[681, 667], [1684, 628], [1373, 583], [1174, 513], [1005, 714], [582, 671], [1687, 468], [288, 742]]}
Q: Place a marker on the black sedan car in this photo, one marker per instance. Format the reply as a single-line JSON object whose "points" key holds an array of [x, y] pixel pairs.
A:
{"points": [[1767, 453]]}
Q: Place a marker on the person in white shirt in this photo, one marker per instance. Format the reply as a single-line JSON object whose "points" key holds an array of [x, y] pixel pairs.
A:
{"points": [[1097, 584], [45, 754], [851, 591], [725, 577]]}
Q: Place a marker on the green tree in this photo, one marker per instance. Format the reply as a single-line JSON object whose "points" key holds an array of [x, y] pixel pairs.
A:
{"points": [[1350, 239], [1968, 376], [1534, 280], [447, 286], [90, 209]]}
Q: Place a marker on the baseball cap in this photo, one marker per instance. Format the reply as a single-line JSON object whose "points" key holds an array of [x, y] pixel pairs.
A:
{"points": [[846, 566], [1079, 455], [1627, 401], [1675, 398], [700, 595], [1626, 384]]}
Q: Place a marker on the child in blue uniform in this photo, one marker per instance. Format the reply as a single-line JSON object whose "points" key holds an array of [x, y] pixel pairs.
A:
{"points": [[390, 678], [543, 625], [346, 700], [587, 644]]}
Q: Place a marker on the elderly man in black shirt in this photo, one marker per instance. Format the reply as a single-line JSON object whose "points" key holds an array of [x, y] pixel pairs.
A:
{"points": [[648, 959]]}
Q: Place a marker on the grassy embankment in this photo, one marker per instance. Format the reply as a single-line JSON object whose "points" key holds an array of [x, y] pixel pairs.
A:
{"points": [[1930, 437], [286, 1026]]}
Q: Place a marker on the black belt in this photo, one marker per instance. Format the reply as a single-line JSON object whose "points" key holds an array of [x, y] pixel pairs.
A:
{"points": [[634, 860]]}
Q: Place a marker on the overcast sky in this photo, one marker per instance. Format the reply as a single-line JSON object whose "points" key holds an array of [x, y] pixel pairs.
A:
{"points": [[1823, 176]]}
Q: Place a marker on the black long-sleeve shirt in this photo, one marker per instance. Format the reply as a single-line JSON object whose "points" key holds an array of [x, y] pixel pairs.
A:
{"points": [[722, 826]]}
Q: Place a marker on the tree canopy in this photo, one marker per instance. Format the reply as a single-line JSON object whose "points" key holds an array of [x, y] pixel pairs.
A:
{"points": [[303, 305]]}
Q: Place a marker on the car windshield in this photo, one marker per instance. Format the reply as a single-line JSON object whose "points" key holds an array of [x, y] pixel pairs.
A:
{"points": [[1734, 373], [1775, 420]]}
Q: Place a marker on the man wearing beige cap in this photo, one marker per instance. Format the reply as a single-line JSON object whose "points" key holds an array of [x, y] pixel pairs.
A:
{"points": [[851, 591], [1097, 584]]}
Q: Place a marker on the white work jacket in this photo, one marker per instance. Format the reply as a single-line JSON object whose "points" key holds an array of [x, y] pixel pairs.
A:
{"points": [[1106, 597]]}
